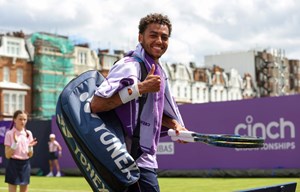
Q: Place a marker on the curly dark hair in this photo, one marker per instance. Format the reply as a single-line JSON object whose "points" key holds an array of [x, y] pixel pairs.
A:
{"points": [[154, 18]]}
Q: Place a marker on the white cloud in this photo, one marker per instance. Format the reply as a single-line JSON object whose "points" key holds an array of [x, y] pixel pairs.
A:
{"points": [[199, 27]]}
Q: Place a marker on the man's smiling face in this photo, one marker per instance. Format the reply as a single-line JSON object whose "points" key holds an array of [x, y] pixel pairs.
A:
{"points": [[155, 40]]}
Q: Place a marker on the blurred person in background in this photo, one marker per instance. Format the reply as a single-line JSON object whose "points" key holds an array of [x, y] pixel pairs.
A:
{"points": [[55, 152]]}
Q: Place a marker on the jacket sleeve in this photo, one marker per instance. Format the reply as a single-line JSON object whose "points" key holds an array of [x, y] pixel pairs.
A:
{"points": [[122, 74]]}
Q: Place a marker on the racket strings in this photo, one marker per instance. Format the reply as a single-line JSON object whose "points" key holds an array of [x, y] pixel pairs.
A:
{"points": [[233, 143], [222, 140]]}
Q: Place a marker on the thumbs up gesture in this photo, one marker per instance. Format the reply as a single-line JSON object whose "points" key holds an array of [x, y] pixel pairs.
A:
{"points": [[151, 84]]}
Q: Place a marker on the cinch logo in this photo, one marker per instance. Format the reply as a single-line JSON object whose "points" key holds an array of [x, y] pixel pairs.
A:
{"points": [[273, 130]]}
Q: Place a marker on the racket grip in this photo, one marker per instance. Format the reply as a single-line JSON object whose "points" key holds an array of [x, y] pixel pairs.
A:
{"points": [[173, 133], [186, 139]]}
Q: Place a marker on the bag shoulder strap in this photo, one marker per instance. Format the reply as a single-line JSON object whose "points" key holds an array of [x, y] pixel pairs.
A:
{"points": [[135, 146]]}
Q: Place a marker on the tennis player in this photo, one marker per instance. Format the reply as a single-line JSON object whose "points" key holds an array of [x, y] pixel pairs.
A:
{"points": [[122, 89]]}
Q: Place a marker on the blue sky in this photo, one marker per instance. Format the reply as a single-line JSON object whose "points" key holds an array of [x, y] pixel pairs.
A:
{"points": [[199, 27]]}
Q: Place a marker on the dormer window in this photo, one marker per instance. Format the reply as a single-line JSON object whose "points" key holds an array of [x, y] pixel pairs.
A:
{"points": [[13, 48]]}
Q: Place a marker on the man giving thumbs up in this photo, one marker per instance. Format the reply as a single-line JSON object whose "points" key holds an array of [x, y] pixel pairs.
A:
{"points": [[123, 88]]}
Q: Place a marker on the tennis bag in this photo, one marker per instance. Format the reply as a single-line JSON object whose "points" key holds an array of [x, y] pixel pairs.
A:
{"points": [[96, 141]]}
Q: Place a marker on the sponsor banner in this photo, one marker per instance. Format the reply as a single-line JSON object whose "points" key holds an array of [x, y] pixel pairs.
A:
{"points": [[4, 125], [165, 148], [275, 118]]}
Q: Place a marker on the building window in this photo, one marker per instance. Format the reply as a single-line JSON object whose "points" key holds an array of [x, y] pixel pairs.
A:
{"points": [[82, 58], [21, 102], [181, 73], [216, 95], [108, 61], [6, 74], [6, 103], [20, 75], [51, 50], [13, 100], [13, 48]]}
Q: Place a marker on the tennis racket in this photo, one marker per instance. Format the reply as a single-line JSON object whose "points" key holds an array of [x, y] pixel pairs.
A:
{"points": [[220, 140]]}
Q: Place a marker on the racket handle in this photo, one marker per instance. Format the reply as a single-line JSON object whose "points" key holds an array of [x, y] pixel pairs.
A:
{"points": [[186, 139], [173, 133]]}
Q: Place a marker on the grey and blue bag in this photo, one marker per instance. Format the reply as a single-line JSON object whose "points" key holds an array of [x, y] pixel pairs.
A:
{"points": [[96, 141]]}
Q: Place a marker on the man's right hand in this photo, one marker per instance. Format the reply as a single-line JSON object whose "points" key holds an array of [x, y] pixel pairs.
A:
{"points": [[151, 83]]}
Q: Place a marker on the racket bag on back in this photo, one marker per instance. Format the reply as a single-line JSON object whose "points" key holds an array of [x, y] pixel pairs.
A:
{"points": [[96, 142]]}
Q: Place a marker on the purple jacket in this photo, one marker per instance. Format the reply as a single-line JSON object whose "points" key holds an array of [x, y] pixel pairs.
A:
{"points": [[127, 72]]}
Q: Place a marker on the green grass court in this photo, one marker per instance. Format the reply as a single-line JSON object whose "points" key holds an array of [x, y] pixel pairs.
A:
{"points": [[79, 184]]}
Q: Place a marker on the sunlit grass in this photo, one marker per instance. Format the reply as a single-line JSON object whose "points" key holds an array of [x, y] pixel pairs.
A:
{"points": [[79, 184]]}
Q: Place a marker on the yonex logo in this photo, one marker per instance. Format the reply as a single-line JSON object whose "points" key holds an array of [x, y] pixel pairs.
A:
{"points": [[118, 153], [86, 97], [94, 177], [273, 130]]}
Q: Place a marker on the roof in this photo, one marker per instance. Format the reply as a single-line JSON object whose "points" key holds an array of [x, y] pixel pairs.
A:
{"points": [[12, 85]]}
